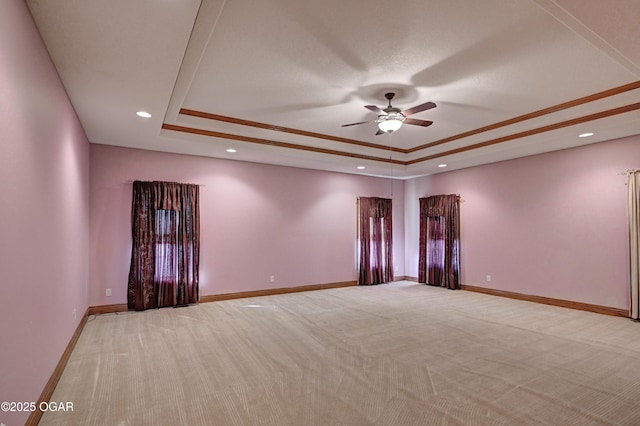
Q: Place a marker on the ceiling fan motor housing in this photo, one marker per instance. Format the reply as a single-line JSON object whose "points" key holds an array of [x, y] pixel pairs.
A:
{"points": [[391, 113]]}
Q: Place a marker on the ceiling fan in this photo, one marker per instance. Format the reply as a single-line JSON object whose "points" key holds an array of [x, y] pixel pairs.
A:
{"points": [[391, 118]]}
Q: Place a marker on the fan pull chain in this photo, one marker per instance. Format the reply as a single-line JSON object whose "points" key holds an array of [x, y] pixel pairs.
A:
{"points": [[391, 162]]}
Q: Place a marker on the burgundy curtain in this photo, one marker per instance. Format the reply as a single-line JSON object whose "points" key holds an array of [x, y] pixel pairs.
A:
{"points": [[439, 258], [375, 241], [165, 227]]}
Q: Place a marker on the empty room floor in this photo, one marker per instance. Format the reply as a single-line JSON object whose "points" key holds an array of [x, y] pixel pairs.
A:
{"points": [[393, 354]]}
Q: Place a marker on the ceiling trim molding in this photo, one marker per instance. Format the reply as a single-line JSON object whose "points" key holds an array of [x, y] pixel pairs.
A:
{"points": [[214, 134], [507, 138], [535, 114], [576, 102], [538, 130]]}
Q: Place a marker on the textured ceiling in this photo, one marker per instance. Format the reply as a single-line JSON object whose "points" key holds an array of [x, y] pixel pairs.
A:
{"points": [[276, 79]]}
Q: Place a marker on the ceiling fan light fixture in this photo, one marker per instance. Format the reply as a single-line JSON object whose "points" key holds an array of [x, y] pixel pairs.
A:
{"points": [[390, 122]]}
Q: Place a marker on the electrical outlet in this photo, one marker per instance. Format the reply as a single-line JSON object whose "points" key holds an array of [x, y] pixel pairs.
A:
{"points": [[73, 315], [488, 278], [272, 279], [108, 292]]}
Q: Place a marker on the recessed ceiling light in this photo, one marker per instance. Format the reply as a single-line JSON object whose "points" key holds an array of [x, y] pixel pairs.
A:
{"points": [[360, 167], [585, 135], [231, 150], [442, 165], [143, 114]]}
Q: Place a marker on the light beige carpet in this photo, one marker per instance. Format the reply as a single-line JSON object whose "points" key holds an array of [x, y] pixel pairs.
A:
{"points": [[395, 354]]}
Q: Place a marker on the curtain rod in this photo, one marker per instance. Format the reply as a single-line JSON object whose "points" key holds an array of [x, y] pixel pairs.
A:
{"points": [[626, 172], [458, 196], [130, 182]]}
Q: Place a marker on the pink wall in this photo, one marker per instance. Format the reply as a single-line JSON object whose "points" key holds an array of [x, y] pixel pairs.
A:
{"points": [[44, 219], [256, 221], [550, 225]]}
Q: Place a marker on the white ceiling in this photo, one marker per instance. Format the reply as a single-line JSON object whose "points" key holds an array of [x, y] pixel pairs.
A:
{"points": [[510, 77]]}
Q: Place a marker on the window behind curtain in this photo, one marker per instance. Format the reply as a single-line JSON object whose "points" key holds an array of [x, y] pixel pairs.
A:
{"points": [[377, 244], [166, 250], [435, 249]]}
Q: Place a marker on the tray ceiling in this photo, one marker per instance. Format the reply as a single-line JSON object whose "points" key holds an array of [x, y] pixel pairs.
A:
{"points": [[276, 79]]}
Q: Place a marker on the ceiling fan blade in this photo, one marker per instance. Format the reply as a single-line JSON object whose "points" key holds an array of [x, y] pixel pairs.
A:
{"points": [[353, 124], [415, 122], [418, 108], [380, 132], [374, 109]]}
